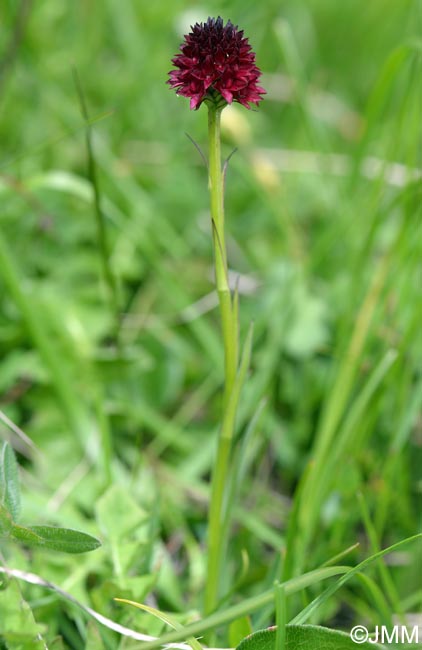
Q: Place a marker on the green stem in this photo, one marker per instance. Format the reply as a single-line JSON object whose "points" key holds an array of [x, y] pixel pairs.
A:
{"points": [[228, 314], [216, 185]]}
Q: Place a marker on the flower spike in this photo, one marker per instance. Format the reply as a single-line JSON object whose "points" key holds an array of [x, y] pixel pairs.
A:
{"points": [[216, 64]]}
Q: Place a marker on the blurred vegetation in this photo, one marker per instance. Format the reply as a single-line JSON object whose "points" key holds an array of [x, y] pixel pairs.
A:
{"points": [[323, 204]]}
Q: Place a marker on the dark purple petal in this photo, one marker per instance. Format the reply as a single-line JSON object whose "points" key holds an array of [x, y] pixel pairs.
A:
{"points": [[228, 96]]}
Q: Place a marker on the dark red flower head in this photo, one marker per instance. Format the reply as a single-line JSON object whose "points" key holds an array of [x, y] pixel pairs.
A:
{"points": [[216, 61]]}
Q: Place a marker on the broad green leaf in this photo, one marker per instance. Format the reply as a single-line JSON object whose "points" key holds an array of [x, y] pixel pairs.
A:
{"points": [[56, 644], [6, 522], [307, 331], [239, 629], [9, 481], [66, 540], [304, 637], [118, 514], [93, 638], [18, 627]]}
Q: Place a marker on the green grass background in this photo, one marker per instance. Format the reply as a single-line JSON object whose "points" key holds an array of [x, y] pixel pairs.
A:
{"points": [[323, 208]]}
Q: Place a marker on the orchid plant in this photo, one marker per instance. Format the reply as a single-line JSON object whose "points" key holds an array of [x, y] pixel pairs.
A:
{"points": [[216, 66]]}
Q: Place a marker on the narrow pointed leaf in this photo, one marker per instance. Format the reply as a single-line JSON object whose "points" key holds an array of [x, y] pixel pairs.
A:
{"points": [[169, 620], [306, 613], [281, 618], [6, 521], [65, 540], [9, 481]]}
